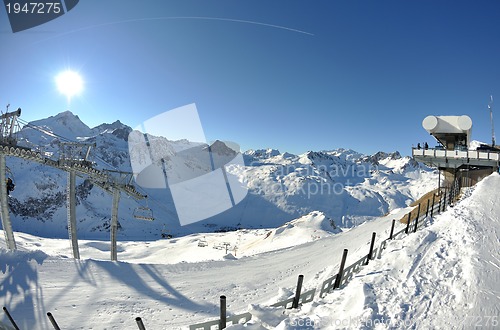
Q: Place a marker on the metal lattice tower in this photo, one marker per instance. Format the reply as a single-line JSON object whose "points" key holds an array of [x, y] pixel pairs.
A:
{"points": [[4, 208], [74, 159], [9, 127]]}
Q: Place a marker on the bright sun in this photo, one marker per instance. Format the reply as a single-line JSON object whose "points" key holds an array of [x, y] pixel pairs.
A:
{"points": [[69, 83]]}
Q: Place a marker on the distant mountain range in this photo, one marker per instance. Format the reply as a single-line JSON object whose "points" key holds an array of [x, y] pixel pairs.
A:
{"points": [[348, 187]]}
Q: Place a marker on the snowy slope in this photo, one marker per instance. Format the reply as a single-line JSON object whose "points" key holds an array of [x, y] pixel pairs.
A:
{"points": [[444, 276], [168, 296], [441, 277]]}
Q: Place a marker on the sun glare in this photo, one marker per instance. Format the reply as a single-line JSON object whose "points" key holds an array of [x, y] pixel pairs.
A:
{"points": [[69, 83]]}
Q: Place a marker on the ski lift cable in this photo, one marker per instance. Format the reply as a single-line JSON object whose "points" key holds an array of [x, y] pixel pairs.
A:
{"points": [[42, 130], [153, 200], [65, 139]]}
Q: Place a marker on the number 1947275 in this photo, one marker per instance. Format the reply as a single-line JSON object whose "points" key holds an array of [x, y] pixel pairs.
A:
{"points": [[481, 321], [33, 8]]}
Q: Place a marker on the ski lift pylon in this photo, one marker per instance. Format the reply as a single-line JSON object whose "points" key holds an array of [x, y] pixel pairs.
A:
{"points": [[143, 213]]}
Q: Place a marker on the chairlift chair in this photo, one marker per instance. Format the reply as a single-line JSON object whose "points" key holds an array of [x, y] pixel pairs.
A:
{"points": [[10, 182], [165, 233], [144, 213]]}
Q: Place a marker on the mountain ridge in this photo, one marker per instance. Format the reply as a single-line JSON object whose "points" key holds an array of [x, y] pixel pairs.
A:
{"points": [[347, 186]]}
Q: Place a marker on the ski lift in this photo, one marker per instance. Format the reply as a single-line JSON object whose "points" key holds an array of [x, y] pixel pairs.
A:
{"points": [[165, 233], [9, 182], [144, 213]]}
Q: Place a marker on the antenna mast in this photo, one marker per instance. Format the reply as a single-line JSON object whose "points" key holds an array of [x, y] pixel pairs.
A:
{"points": [[490, 106]]}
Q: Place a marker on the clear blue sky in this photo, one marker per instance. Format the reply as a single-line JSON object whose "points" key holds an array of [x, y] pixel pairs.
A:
{"points": [[308, 75]]}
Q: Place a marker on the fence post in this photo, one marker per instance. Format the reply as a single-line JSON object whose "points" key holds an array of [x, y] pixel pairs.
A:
{"points": [[392, 228], [295, 303], [407, 230], [427, 211], [10, 318], [223, 317], [53, 321], [418, 216], [338, 280], [139, 323], [444, 200], [416, 225], [445, 197], [440, 201], [433, 203], [371, 248]]}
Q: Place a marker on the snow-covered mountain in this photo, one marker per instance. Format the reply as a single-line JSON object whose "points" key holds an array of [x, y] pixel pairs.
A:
{"points": [[347, 187]]}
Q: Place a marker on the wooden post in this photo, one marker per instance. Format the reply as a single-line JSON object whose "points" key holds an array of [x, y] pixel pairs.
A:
{"points": [[444, 200], [370, 254], [433, 203], [416, 220], [295, 303], [416, 225], [392, 228], [10, 318], [338, 280], [223, 317], [141, 326], [53, 321], [407, 230], [440, 201]]}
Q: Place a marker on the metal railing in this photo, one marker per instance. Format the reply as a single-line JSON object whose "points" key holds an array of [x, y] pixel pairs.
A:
{"points": [[457, 154]]}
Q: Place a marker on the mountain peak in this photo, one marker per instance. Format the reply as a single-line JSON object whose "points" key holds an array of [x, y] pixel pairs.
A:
{"points": [[65, 124], [117, 128], [263, 153], [65, 116], [377, 157], [115, 125], [222, 148]]}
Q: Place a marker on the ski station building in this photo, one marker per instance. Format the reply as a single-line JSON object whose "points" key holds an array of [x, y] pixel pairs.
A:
{"points": [[453, 155]]}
